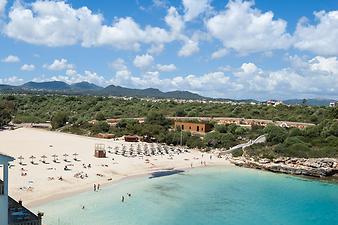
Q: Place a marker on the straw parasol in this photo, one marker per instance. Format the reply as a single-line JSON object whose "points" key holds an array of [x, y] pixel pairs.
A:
{"points": [[32, 158], [20, 158], [43, 157], [75, 156], [54, 157], [65, 155]]}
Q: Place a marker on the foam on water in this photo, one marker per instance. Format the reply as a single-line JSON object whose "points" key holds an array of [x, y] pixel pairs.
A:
{"points": [[208, 196]]}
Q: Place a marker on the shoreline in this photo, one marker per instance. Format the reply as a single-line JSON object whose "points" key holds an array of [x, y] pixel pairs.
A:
{"points": [[38, 202]]}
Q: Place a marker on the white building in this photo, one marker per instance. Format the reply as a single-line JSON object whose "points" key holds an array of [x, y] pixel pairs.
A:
{"points": [[11, 211], [4, 160]]}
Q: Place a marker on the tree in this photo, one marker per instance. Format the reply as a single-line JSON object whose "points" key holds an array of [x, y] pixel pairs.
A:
{"points": [[157, 118], [6, 111], [100, 117], [59, 120], [275, 134]]}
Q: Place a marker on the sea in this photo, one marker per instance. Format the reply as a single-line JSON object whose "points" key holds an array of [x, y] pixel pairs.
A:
{"points": [[201, 196]]}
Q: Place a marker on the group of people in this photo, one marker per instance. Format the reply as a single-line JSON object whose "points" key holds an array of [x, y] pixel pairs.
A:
{"points": [[122, 197], [96, 187]]}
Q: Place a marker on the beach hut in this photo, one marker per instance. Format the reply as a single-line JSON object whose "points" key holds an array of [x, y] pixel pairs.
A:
{"points": [[100, 151]]}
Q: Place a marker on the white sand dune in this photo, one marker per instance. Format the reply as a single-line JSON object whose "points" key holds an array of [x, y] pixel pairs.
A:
{"points": [[37, 183]]}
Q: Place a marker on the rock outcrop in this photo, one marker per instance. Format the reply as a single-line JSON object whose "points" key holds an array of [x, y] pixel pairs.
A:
{"points": [[319, 167]]}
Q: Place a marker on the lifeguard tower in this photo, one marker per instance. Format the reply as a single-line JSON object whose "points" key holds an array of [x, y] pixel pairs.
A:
{"points": [[100, 151]]}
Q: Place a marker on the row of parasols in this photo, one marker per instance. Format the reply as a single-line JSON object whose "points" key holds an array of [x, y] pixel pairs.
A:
{"points": [[44, 158]]}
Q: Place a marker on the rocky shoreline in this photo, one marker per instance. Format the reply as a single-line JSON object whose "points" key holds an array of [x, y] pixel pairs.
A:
{"points": [[314, 167]]}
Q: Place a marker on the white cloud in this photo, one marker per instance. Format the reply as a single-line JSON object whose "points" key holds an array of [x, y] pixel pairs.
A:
{"points": [[249, 68], [71, 72], [322, 64], [143, 61], [118, 64], [59, 64], [193, 8], [190, 47], [13, 80], [175, 21], [11, 59], [56, 23], [316, 77], [320, 38], [3, 4], [72, 76], [166, 68], [246, 29], [156, 49], [28, 67], [219, 53]]}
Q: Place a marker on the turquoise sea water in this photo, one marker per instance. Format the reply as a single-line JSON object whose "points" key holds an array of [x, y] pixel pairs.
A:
{"points": [[206, 196]]}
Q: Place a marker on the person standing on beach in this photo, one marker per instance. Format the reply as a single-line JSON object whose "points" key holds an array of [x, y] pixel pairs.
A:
{"points": [[98, 186], [94, 187]]}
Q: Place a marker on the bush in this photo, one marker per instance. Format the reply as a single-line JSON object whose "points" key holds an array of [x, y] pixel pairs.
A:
{"points": [[275, 134], [59, 120]]}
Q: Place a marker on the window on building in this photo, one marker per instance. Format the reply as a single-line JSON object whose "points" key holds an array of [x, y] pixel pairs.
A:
{"points": [[198, 128]]}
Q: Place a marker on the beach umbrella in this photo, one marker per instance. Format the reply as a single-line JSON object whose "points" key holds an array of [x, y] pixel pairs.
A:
{"points": [[65, 155], [54, 157], [32, 159], [44, 158], [75, 156], [20, 158]]}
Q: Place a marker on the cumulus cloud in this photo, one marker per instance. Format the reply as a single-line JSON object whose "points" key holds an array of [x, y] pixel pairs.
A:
{"points": [[320, 38], [59, 64], [143, 61], [13, 80], [27, 67], [193, 8], [166, 68], [56, 23], [315, 77], [246, 29], [118, 64], [219, 53], [11, 59], [72, 76], [189, 48]]}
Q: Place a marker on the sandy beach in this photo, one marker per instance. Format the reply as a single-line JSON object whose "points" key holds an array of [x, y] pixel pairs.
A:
{"points": [[38, 180]]}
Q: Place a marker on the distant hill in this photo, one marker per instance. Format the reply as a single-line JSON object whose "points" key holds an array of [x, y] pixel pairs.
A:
{"points": [[85, 86], [89, 88], [149, 92], [46, 86], [310, 102]]}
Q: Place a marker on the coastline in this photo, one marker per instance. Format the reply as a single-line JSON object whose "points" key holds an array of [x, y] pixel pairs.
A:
{"points": [[66, 194], [35, 180]]}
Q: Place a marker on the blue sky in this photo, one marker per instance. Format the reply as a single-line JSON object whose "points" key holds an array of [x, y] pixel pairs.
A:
{"points": [[234, 49]]}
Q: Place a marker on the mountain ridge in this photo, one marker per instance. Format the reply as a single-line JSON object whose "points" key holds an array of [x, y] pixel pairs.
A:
{"points": [[90, 88]]}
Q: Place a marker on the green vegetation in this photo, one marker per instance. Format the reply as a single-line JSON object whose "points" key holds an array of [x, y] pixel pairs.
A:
{"points": [[73, 114], [313, 142], [35, 108]]}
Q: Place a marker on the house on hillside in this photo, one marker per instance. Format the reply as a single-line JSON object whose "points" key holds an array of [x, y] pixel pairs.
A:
{"points": [[194, 127]]}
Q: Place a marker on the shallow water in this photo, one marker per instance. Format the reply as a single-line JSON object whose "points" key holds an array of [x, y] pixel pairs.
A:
{"points": [[206, 196]]}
